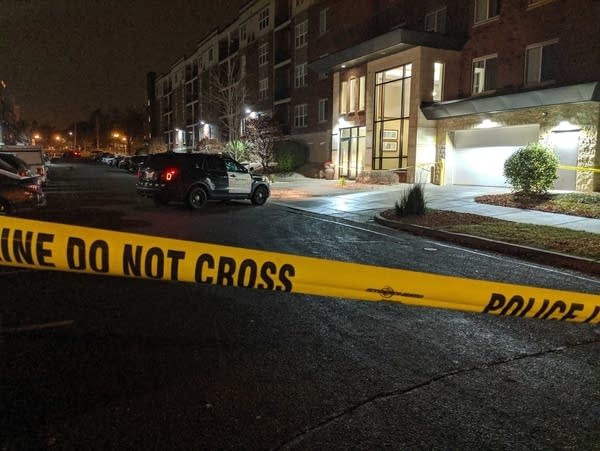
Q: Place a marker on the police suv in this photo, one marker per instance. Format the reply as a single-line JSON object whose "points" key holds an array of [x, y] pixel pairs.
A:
{"points": [[196, 178]]}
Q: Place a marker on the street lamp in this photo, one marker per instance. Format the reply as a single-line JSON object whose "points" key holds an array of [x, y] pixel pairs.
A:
{"points": [[123, 141]]}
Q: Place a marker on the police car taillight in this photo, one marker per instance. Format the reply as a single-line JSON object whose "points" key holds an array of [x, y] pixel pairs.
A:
{"points": [[169, 174]]}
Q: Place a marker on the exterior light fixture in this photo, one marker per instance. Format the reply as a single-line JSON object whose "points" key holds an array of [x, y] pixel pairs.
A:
{"points": [[487, 123], [565, 126]]}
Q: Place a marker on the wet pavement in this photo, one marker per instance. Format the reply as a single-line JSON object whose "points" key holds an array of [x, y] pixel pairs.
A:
{"points": [[360, 203]]}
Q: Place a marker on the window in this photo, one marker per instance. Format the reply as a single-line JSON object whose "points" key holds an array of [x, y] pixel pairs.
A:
{"points": [[263, 54], [438, 82], [352, 96], [300, 115], [344, 98], [486, 9], [263, 88], [361, 93], [323, 20], [541, 61], [243, 33], [300, 79], [323, 113], [301, 34], [210, 55], [484, 74], [263, 19], [436, 21], [392, 111]]}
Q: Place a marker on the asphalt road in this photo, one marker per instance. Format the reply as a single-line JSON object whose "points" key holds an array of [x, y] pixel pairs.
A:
{"points": [[93, 362]]}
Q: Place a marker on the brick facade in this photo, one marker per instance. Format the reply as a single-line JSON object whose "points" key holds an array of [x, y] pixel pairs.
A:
{"points": [[561, 34]]}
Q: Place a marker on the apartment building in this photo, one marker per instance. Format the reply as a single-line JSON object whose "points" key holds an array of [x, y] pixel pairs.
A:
{"points": [[439, 91]]}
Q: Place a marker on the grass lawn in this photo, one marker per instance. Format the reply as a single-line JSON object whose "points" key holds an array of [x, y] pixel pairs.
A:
{"points": [[576, 204], [571, 242]]}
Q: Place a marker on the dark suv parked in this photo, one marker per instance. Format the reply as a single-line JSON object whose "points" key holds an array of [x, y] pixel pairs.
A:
{"points": [[197, 178]]}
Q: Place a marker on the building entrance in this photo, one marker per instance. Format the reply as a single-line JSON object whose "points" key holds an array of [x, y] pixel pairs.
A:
{"points": [[352, 151]]}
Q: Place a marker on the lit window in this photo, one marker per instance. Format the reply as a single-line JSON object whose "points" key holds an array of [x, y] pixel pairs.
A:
{"points": [[435, 21], [263, 54], [263, 19], [344, 98], [300, 78], [484, 74], [486, 9], [301, 34], [353, 94], [361, 93], [300, 114], [323, 103], [541, 61], [438, 82]]}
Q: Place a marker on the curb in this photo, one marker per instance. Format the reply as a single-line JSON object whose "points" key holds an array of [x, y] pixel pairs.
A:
{"points": [[585, 265]]}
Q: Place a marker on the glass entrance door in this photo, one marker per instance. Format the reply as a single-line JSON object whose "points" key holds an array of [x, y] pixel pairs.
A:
{"points": [[352, 151]]}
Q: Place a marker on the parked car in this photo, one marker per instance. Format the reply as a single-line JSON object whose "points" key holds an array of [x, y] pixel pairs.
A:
{"points": [[12, 163], [125, 163], [19, 193], [32, 155], [116, 160], [108, 159], [99, 156], [72, 155], [197, 178], [137, 161]]}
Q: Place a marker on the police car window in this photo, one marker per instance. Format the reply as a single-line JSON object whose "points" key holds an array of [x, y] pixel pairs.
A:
{"points": [[199, 161], [214, 164], [232, 166]]}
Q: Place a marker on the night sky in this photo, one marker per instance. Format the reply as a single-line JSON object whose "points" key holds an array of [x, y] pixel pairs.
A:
{"points": [[62, 59]]}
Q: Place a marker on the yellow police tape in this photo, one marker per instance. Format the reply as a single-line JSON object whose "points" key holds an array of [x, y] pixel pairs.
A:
{"points": [[43, 245], [579, 168]]}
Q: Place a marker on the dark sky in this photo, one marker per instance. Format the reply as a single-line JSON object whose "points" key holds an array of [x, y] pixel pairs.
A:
{"points": [[62, 59]]}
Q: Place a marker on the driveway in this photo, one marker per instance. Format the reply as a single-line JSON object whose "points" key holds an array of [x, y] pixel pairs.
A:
{"points": [[359, 202]]}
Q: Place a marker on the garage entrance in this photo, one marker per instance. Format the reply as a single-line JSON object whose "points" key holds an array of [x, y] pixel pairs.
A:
{"points": [[479, 155]]}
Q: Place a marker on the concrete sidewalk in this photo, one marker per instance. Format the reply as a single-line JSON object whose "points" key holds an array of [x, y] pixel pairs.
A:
{"points": [[359, 202]]}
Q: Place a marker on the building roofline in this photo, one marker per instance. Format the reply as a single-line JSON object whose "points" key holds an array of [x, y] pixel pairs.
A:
{"points": [[385, 44]]}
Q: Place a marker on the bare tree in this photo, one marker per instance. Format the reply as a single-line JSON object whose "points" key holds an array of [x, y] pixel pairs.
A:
{"points": [[260, 136], [228, 96]]}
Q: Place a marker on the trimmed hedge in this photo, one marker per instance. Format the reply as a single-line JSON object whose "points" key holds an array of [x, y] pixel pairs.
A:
{"points": [[532, 169], [290, 155]]}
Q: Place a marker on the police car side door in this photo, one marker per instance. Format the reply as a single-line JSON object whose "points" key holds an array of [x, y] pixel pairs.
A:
{"points": [[240, 180], [217, 175]]}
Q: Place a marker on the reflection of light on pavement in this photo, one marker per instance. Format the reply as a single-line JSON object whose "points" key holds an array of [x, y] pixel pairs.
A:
{"points": [[341, 204], [289, 194]]}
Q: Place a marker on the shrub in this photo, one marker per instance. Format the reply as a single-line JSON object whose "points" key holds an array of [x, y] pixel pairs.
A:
{"points": [[236, 150], [377, 178], [209, 145], [531, 169], [412, 202], [290, 155]]}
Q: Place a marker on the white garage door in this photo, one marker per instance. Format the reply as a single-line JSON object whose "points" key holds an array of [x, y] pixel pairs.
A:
{"points": [[479, 155]]}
